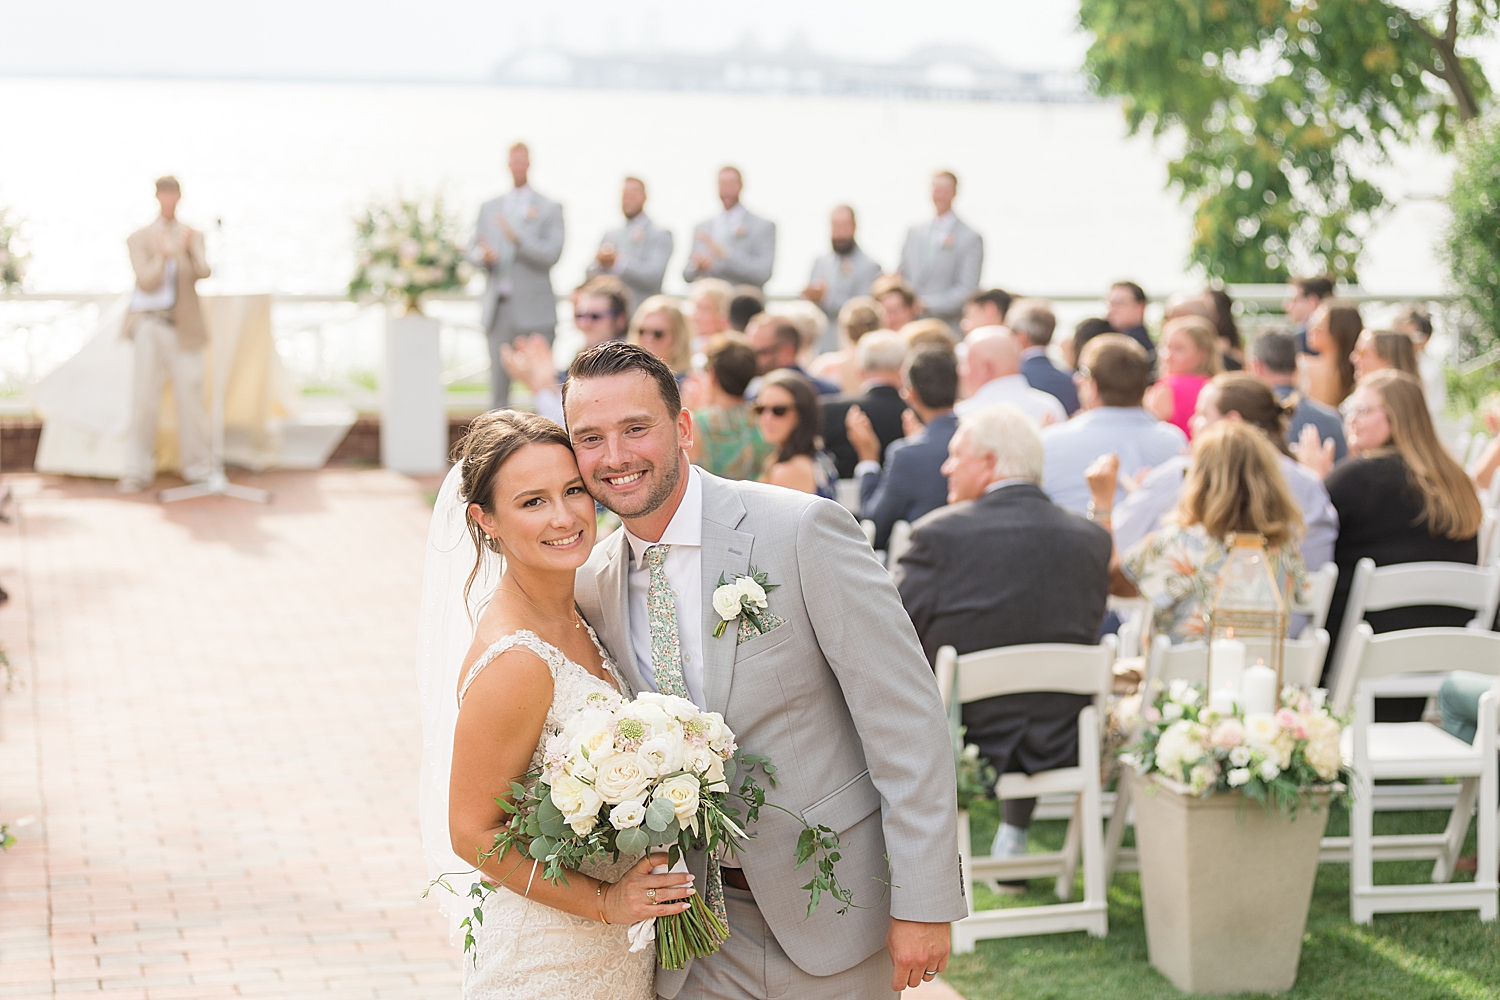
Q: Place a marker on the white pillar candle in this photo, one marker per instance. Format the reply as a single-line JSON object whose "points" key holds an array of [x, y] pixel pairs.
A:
{"points": [[1222, 702], [1227, 664], [1259, 690]]}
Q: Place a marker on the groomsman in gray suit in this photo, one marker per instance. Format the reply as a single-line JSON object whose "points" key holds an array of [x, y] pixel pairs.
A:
{"points": [[636, 252], [835, 691], [734, 245], [942, 258], [517, 240], [840, 275]]}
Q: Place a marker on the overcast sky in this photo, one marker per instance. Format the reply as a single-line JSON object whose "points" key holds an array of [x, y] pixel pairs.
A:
{"points": [[463, 39]]}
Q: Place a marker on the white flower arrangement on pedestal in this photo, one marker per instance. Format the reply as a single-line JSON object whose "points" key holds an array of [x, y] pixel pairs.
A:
{"points": [[406, 249], [1274, 758], [12, 258]]}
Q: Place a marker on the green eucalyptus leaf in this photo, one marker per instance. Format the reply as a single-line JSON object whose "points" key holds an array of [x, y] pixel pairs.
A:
{"points": [[632, 841], [659, 814]]}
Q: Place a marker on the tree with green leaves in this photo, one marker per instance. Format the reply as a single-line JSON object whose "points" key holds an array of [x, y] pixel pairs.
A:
{"points": [[1281, 107]]}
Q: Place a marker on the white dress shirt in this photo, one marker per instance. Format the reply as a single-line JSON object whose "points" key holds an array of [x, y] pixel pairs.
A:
{"points": [[684, 569], [161, 298], [1042, 407], [727, 223]]}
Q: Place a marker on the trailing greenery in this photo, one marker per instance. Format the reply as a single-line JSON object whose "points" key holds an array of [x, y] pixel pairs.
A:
{"points": [[1472, 243], [1281, 107]]}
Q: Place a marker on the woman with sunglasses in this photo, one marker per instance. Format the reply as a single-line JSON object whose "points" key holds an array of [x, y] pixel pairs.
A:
{"points": [[661, 327], [790, 417]]}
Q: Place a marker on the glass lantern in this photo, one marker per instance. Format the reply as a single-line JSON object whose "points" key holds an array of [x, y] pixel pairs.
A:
{"points": [[1249, 604]]}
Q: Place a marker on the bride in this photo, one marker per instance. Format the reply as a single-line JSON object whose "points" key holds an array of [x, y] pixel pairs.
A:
{"points": [[531, 664]]}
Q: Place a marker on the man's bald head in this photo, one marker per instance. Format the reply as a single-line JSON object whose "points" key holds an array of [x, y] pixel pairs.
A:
{"points": [[989, 352]]}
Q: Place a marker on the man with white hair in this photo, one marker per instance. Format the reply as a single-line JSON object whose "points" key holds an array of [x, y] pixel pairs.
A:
{"points": [[879, 356], [989, 372], [1002, 565]]}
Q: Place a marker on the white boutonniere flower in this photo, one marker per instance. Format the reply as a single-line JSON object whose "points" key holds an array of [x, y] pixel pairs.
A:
{"points": [[744, 596]]}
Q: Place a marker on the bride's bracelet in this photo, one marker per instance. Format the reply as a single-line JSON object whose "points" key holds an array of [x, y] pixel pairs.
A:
{"points": [[599, 891]]}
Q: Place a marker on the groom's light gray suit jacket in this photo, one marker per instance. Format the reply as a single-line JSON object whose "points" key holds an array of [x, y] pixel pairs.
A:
{"points": [[840, 697]]}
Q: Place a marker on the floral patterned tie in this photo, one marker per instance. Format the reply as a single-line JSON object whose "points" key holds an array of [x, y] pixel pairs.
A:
{"points": [[666, 667]]}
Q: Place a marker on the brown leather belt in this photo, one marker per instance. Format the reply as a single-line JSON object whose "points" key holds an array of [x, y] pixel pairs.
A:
{"points": [[735, 878]]}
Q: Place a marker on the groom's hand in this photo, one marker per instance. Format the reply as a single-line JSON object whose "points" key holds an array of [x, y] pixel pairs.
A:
{"points": [[917, 949]]}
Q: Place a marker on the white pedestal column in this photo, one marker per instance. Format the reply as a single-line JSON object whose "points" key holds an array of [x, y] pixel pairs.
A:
{"points": [[413, 419]]}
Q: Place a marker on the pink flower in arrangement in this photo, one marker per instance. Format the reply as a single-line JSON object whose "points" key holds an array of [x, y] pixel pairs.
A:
{"points": [[1152, 714], [1229, 734], [1287, 719]]}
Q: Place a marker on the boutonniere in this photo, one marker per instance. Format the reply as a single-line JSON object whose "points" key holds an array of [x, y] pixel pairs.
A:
{"points": [[739, 232], [532, 212], [948, 242], [744, 596]]}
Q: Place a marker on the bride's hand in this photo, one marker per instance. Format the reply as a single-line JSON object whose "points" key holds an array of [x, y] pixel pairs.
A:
{"points": [[627, 902]]}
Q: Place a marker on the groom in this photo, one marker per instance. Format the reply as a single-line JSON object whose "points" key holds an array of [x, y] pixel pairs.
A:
{"points": [[837, 693]]}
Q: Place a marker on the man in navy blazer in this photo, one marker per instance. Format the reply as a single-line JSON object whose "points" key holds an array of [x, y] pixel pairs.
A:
{"points": [[912, 482], [1032, 321]]}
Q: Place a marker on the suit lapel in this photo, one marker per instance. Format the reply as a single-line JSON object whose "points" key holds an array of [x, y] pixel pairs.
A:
{"points": [[726, 551], [614, 598]]}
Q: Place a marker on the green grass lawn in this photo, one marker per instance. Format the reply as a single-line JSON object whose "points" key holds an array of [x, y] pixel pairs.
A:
{"points": [[1419, 956]]}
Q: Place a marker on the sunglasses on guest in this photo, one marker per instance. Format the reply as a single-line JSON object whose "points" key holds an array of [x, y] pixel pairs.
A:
{"points": [[779, 410], [592, 317], [648, 333]]}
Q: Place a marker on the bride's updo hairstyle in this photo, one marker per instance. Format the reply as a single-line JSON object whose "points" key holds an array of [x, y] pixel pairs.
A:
{"points": [[491, 440]]}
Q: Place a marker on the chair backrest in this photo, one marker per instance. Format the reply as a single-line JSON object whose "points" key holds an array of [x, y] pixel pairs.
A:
{"points": [[1301, 659], [868, 527], [1488, 536], [1043, 666], [1414, 651], [1473, 448], [846, 492], [899, 542], [1491, 496], [1320, 586]]}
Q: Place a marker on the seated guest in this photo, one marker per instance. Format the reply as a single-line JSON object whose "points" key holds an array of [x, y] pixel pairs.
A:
{"points": [[1415, 321], [708, 308], [745, 306], [1332, 331], [1273, 360], [1234, 484], [912, 481], [989, 372], [1231, 345], [922, 334], [776, 342], [1032, 323], [809, 321], [1086, 330], [897, 298], [1003, 566], [880, 356], [1112, 381], [790, 417], [1376, 350], [1125, 308], [1304, 297], [1401, 498], [1188, 357], [1241, 397], [726, 435], [859, 316], [986, 308], [660, 327]]}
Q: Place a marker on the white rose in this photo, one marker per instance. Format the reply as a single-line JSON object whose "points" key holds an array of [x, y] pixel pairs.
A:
{"points": [[680, 708], [1323, 751], [1261, 730], [682, 792], [651, 715], [587, 720], [579, 766], [1269, 770], [727, 602], [699, 759], [1177, 689], [1171, 710], [578, 803], [622, 777], [713, 728], [1180, 746], [1240, 756], [661, 755], [587, 817], [714, 776], [631, 812], [1238, 777], [1189, 696], [651, 698], [752, 590]]}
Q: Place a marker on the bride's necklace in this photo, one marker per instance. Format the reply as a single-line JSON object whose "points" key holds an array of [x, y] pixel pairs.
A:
{"points": [[575, 621]]}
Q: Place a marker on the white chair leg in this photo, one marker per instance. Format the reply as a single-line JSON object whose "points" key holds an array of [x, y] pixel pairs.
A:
{"points": [[1091, 809], [1114, 833], [1072, 848], [1489, 807], [1457, 829], [1361, 818]]}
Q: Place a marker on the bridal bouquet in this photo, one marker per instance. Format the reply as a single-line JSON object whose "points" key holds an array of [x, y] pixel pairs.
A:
{"points": [[405, 250], [1272, 757], [655, 773]]}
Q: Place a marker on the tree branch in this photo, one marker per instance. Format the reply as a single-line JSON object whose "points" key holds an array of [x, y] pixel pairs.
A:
{"points": [[1453, 72], [1450, 34]]}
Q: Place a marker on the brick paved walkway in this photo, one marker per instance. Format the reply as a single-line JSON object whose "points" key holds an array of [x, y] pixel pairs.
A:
{"points": [[214, 725]]}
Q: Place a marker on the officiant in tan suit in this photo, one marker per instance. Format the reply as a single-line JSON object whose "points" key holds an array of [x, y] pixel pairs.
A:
{"points": [[166, 324]]}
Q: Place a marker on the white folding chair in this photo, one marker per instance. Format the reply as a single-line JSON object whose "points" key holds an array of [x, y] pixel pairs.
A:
{"points": [[1051, 667], [1135, 615], [846, 492], [1320, 586], [868, 527], [1403, 585], [1301, 664], [1491, 496], [1407, 750], [1473, 448], [898, 543], [1489, 534]]}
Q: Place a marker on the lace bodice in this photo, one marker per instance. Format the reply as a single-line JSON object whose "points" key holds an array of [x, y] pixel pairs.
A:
{"points": [[524, 948]]}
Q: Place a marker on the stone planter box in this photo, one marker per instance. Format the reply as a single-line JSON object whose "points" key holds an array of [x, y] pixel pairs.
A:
{"points": [[413, 420], [1225, 886]]}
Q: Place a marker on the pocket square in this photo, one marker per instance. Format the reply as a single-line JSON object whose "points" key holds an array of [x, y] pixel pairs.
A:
{"points": [[748, 631]]}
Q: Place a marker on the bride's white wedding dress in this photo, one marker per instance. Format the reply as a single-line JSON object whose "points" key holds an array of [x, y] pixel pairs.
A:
{"points": [[527, 950]]}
